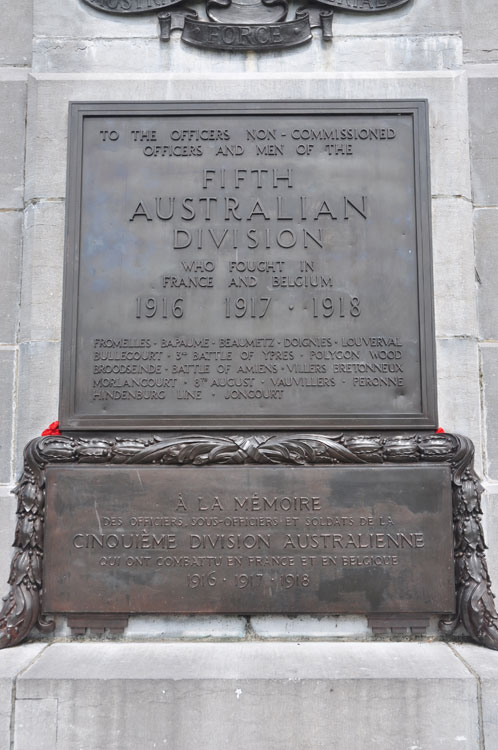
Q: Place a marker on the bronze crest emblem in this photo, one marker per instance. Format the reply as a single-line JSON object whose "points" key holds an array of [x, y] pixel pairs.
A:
{"points": [[244, 24]]}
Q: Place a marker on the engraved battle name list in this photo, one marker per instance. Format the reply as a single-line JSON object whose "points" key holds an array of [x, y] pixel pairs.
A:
{"points": [[261, 265]]}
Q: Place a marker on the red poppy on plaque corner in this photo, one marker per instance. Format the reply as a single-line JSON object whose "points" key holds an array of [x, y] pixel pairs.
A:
{"points": [[52, 429], [439, 431]]}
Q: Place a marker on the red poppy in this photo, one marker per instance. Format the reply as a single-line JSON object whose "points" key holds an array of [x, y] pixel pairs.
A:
{"points": [[52, 429]]}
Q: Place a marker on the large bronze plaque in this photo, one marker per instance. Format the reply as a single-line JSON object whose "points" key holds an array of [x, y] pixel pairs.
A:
{"points": [[244, 539], [259, 265]]}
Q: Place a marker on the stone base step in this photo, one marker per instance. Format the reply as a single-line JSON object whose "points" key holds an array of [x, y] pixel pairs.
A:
{"points": [[248, 696]]}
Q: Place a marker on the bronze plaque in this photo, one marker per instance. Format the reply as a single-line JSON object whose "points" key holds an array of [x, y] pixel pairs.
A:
{"points": [[258, 265], [362, 539]]}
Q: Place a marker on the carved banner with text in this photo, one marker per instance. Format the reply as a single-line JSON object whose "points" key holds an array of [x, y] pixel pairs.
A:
{"points": [[260, 25]]}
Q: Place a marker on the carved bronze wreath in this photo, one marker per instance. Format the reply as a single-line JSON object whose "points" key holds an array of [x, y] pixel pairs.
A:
{"points": [[475, 608]]}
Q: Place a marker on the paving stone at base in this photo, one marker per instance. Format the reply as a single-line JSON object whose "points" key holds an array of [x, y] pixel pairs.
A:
{"points": [[391, 696], [12, 662], [485, 665]]}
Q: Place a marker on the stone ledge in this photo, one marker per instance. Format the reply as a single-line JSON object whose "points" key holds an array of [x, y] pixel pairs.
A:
{"points": [[484, 664], [275, 696], [241, 661]]}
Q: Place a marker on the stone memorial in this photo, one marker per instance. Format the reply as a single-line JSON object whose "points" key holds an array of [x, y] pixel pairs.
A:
{"points": [[248, 277]]}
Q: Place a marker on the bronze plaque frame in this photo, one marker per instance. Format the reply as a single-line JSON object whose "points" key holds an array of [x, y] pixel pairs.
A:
{"points": [[411, 405]]}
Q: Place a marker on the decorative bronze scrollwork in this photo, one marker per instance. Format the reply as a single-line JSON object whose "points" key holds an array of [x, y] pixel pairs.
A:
{"points": [[246, 24], [475, 606]]}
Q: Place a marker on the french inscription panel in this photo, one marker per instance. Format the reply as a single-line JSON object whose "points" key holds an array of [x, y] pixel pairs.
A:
{"points": [[258, 265], [360, 539]]}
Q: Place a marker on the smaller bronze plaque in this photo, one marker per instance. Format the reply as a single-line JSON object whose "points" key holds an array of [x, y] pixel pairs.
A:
{"points": [[249, 540]]}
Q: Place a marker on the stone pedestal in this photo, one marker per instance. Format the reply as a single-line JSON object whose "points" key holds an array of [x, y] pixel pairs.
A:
{"points": [[352, 696]]}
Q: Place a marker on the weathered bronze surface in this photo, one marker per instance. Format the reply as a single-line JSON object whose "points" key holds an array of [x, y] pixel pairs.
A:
{"points": [[262, 265], [249, 539]]}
